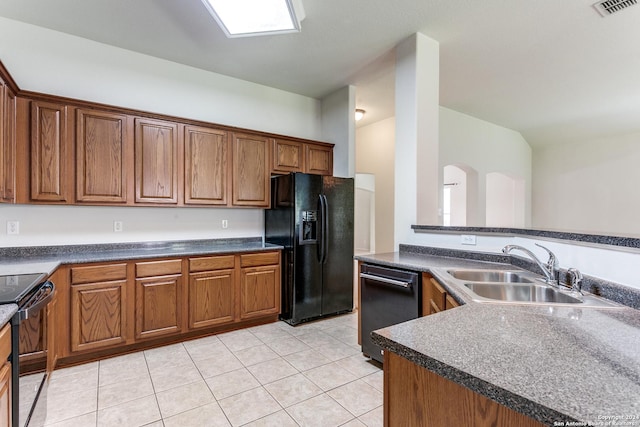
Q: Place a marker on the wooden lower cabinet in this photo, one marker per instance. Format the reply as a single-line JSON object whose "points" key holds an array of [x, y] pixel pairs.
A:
{"points": [[5, 394], [158, 306], [5, 376], [438, 402], [211, 298], [435, 298], [259, 285], [118, 307], [98, 307]]}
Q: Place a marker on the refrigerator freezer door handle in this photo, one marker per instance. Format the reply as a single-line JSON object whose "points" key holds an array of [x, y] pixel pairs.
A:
{"points": [[320, 246], [325, 228]]}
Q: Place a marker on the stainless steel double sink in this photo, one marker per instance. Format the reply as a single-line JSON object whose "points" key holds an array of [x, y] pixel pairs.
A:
{"points": [[521, 287]]}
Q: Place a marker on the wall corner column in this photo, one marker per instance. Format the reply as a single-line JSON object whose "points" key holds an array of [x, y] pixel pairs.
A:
{"points": [[417, 167]]}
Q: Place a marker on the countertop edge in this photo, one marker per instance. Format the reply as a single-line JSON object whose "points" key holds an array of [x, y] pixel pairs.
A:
{"points": [[513, 401], [6, 313], [48, 259]]}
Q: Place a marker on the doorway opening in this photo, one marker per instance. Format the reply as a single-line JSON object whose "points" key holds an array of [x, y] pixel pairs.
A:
{"points": [[505, 201]]}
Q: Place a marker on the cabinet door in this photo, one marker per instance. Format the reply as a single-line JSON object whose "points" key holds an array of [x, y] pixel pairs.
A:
{"points": [[259, 291], [288, 156], [3, 158], [156, 161], [319, 159], [158, 306], [103, 143], [7, 143], [98, 315], [206, 165], [211, 298], [5, 394], [49, 155], [251, 177]]}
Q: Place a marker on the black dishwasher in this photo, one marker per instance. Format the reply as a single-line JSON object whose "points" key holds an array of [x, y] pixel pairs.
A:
{"points": [[387, 297]]}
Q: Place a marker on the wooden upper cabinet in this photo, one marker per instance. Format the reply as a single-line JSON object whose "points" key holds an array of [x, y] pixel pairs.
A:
{"points": [[7, 143], [49, 153], [319, 159], [206, 165], [251, 182], [156, 161], [288, 156], [103, 143]]}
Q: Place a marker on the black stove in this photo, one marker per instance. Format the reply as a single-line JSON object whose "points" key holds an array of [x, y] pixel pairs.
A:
{"points": [[32, 293], [14, 289]]}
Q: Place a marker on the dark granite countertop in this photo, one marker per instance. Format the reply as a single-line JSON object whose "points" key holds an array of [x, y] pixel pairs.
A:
{"points": [[45, 259], [554, 364], [6, 312]]}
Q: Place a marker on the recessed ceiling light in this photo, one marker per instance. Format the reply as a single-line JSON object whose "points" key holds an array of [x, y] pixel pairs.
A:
{"points": [[242, 18]]}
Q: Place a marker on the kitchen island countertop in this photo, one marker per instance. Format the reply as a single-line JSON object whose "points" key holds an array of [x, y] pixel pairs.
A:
{"points": [[554, 364]]}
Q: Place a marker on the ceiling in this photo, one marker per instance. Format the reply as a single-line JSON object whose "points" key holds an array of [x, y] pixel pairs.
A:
{"points": [[556, 71]]}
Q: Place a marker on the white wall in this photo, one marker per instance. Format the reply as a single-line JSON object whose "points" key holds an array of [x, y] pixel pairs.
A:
{"points": [[47, 61], [504, 201], [58, 225], [338, 127], [375, 153], [485, 147], [42, 60], [588, 186]]}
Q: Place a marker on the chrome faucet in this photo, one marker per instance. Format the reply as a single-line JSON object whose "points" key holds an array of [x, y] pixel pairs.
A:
{"points": [[575, 279], [550, 269]]}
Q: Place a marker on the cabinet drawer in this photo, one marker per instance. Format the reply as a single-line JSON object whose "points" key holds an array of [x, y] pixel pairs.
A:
{"points": [[211, 263], [438, 294], [158, 268], [98, 273], [263, 258], [5, 342]]}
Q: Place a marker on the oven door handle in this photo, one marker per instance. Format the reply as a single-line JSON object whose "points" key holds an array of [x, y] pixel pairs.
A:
{"points": [[38, 301], [398, 283]]}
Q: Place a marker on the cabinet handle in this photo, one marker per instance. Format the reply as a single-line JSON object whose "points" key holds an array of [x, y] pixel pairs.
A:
{"points": [[405, 285]]}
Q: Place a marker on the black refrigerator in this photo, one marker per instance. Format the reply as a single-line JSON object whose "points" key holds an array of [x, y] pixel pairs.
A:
{"points": [[312, 217]]}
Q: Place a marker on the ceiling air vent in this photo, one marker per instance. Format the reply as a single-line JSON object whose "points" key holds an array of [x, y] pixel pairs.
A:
{"points": [[609, 7]]}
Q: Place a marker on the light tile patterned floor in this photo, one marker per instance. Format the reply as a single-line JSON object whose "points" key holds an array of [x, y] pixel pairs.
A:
{"points": [[271, 375]]}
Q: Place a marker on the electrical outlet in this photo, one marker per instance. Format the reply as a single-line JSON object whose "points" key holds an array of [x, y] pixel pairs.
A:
{"points": [[117, 226], [225, 223], [13, 227], [468, 239]]}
